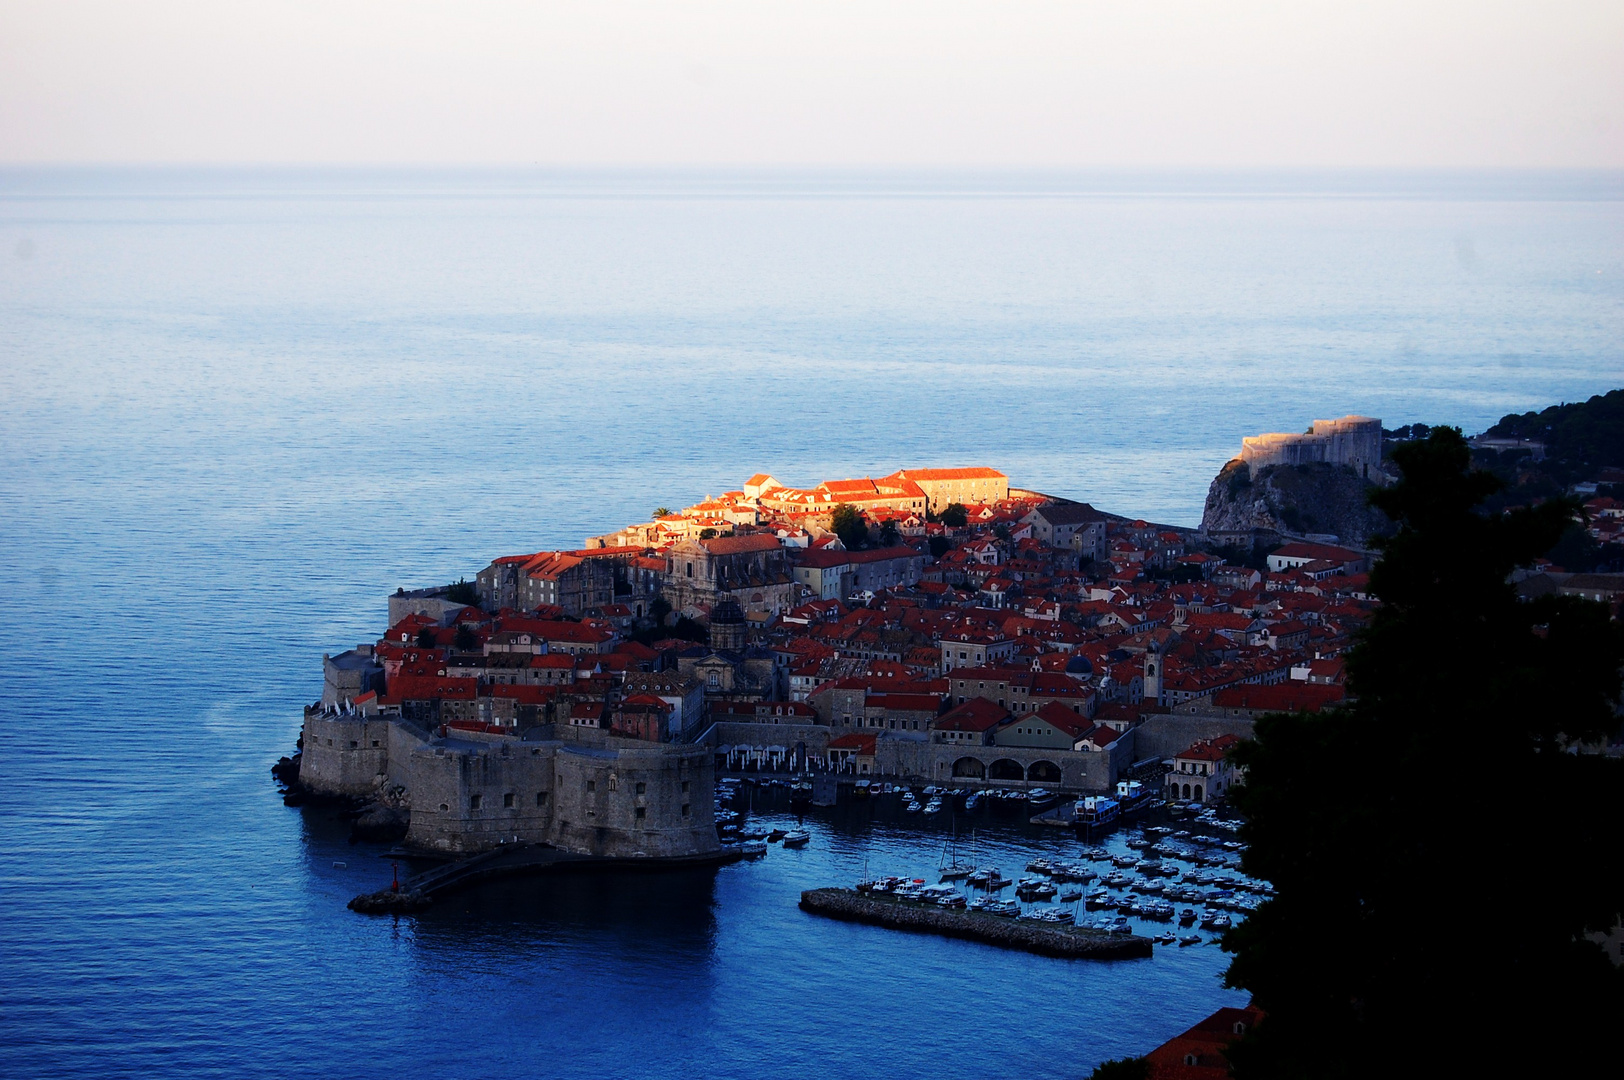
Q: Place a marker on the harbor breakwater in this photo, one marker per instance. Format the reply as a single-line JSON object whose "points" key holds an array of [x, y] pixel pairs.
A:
{"points": [[1066, 942]]}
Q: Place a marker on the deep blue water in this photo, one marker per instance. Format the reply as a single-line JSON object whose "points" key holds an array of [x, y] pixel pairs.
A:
{"points": [[237, 408]]}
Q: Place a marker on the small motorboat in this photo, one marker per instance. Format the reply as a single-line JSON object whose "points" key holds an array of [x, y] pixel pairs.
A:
{"points": [[913, 806], [1187, 917], [1188, 940], [776, 835], [1165, 938], [1071, 896], [797, 838], [755, 849]]}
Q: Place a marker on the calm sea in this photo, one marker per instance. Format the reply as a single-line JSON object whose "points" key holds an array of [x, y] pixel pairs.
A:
{"points": [[237, 408]]}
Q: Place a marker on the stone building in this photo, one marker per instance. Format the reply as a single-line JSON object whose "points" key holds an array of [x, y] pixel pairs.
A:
{"points": [[753, 571], [944, 487], [564, 579], [1077, 526], [348, 675], [835, 575]]}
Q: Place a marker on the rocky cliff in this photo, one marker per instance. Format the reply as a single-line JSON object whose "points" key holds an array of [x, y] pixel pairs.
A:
{"points": [[1292, 500]]}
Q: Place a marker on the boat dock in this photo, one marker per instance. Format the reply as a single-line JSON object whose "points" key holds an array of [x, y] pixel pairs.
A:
{"points": [[512, 860], [1062, 941]]}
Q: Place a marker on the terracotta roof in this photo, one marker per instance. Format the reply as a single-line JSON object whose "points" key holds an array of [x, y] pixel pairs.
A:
{"points": [[734, 545], [977, 714]]}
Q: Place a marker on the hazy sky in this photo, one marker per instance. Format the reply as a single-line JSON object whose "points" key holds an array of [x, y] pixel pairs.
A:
{"points": [[1123, 83]]}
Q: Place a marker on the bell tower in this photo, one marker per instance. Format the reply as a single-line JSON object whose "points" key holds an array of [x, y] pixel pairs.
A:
{"points": [[1153, 672]]}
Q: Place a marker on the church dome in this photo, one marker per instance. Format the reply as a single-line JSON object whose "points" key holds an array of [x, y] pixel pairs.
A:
{"points": [[727, 613]]}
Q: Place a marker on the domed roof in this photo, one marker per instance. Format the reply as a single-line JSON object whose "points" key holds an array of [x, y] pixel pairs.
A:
{"points": [[726, 612], [1079, 665]]}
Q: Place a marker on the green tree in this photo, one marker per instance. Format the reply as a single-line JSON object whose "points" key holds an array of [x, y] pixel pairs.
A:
{"points": [[889, 536], [707, 534], [463, 591], [955, 516], [662, 511], [465, 639], [849, 526], [425, 638], [939, 546], [1436, 848]]}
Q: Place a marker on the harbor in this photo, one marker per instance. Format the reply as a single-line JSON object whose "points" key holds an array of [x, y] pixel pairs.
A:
{"points": [[1167, 876]]}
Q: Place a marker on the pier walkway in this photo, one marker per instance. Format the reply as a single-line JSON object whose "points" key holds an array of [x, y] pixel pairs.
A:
{"points": [[1045, 940]]}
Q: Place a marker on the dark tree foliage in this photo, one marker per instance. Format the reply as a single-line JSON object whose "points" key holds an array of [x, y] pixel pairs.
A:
{"points": [[425, 638], [849, 526], [1121, 1069], [690, 630], [462, 592], [939, 546], [955, 516], [465, 639], [1589, 432], [1437, 848]]}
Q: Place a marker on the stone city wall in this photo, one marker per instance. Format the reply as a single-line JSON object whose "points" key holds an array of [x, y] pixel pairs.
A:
{"points": [[1164, 735]]}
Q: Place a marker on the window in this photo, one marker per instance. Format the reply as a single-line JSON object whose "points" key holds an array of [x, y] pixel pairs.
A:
{"points": [[592, 785], [445, 808], [541, 798], [685, 785], [614, 782], [640, 813], [642, 787], [507, 801], [374, 744], [684, 809], [474, 801], [354, 744]]}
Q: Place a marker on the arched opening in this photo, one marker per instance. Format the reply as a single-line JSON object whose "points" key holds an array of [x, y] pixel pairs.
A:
{"points": [[1046, 772], [969, 766], [1186, 791], [1005, 769], [1198, 793]]}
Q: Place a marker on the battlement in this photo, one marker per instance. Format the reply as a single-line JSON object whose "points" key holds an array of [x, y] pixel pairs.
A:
{"points": [[1354, 441]]}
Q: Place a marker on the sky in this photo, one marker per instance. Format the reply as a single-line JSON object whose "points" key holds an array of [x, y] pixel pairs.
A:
{"points": [[1125, 83]]}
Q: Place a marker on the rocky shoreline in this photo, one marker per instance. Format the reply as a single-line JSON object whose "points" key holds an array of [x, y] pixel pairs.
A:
{"points": [[1064, 942]]}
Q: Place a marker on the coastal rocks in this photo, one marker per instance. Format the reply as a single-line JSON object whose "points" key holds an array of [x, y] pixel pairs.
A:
{"points": [[380, 823], [390, 902], [990, 929], [1292, 500]]}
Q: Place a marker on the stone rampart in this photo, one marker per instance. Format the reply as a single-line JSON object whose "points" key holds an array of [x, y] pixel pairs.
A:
{"points": [[469, 796], [344, 755], [629, 802]]}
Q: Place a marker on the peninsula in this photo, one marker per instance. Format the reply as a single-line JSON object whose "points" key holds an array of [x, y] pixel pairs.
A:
{"points": [[930, 626]]}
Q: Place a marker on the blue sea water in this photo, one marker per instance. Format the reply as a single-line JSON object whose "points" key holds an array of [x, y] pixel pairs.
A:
{"points": [[238, 407]]}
